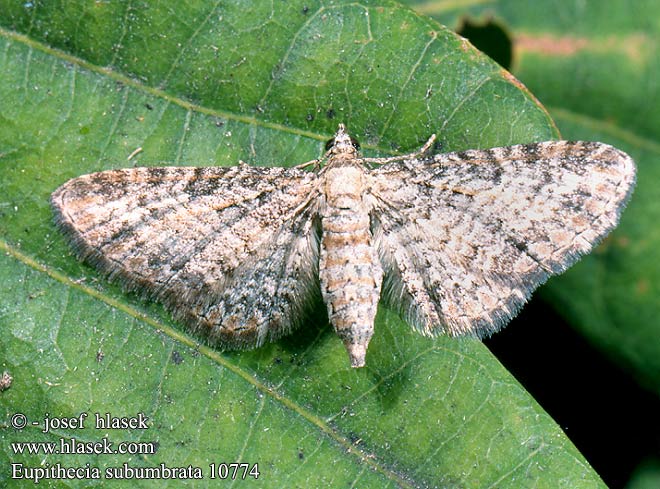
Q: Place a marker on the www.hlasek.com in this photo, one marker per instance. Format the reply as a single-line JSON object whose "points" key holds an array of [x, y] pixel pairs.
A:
{"points": [[104, 446]]}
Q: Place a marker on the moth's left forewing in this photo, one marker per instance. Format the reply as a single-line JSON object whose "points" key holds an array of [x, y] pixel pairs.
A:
{"points": [[466, 237], [231, 252]]}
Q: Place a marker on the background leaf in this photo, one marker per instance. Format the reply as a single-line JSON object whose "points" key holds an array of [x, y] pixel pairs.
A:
{"points": [[85, 84], [647, 476]]}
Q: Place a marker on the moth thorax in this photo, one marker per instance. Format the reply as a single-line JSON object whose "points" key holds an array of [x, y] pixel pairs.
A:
{"points": [[344, 186]]}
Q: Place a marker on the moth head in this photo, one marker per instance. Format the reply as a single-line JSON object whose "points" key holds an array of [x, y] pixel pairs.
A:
{"points": [[342, 143]]}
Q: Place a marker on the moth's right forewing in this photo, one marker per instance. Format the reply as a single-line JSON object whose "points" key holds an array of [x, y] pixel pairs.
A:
{"points": [[466, 237]]}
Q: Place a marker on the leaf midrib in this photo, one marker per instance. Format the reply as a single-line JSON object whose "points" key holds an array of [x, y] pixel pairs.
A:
{"points": [[317, 422]]}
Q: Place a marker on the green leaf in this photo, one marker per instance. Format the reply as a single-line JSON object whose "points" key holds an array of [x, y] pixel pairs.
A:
{"points": [[84, 85], [595, 66]]}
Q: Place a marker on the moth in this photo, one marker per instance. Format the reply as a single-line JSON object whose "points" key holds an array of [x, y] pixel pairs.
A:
{"points": [[456, 242]]}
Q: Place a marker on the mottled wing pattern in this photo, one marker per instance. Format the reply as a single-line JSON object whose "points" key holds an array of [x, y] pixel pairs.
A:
{"points": [[202, 241], [466, 237]]}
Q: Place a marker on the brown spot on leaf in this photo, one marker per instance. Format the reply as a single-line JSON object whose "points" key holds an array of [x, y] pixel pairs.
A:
{"points": [[642, 286], [634, 47], [551, 45], [623, 241]]}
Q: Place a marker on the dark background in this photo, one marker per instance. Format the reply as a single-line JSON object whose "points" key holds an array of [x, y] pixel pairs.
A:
{"points": [[612, 421]]}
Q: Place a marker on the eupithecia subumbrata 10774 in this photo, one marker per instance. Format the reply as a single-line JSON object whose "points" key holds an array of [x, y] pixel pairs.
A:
{"points": [[456, 242]]}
